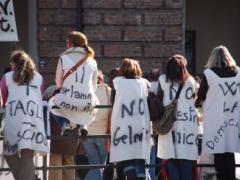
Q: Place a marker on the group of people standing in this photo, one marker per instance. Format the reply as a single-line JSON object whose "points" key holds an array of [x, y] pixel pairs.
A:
{"points": [[81, 87]]}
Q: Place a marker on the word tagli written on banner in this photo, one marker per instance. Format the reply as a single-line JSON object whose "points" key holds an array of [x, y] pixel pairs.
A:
{"points": [[228, 89], [8, 30]]}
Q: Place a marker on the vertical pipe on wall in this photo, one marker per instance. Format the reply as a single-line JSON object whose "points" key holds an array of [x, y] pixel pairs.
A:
{"points": [[32, 29], [184, 25], [80, 15]]}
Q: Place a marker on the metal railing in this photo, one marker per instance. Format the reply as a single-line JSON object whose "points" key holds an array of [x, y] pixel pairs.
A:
{"points": [[44, 168]]}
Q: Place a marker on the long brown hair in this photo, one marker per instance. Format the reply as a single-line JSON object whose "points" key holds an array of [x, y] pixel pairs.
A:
{"points": [[79, 39], [176, 69], [130, 68], [24, 67]]}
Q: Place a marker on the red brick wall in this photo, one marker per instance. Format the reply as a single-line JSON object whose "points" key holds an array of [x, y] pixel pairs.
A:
{"points": [[147, 30]]}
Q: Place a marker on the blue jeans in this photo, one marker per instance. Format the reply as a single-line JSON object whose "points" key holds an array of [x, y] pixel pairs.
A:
{"points": [[180, 169], [62, 121], [153, 158], [97, 154], [136, 165]]}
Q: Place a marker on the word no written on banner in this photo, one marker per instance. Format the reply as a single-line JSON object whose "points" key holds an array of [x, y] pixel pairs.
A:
{"points": [[8, 30]]}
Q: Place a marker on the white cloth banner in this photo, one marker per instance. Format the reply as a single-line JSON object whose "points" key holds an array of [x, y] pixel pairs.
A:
{"points": [[8, 30], [24, 124], [77, 98], [130, 121], [221, 114], [181, 141]]}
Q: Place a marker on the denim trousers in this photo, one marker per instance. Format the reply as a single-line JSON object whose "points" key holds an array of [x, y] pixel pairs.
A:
{"points": [[180, 169], [62, 121], [138, 165], [153, 159], [97, 154]]}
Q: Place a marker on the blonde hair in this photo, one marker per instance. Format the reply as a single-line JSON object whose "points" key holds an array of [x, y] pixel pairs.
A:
{"points": [[130, 67], [24, 67], [79, 39], [220, 57]]}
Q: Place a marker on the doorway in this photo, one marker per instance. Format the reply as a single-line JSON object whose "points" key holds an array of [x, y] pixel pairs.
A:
{"points": [[212, 23]]}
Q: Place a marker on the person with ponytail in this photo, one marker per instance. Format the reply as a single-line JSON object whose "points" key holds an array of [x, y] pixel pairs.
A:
{"points": [[76, 98], [24, 132]]}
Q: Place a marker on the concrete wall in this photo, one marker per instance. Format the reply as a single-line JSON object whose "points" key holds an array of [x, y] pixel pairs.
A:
{"points": [[215, 22]]}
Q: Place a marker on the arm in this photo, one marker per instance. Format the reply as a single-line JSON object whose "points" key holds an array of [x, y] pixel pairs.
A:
{"points": [[112, 97], [59, 75], [202, 92], [94, 80], [4, 90], [42, 88]]}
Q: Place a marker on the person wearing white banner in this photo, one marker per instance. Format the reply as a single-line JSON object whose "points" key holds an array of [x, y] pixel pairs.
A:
{"points": [[76, 98], [130, 128], [179, 145], [219, 94], [24, 132]]}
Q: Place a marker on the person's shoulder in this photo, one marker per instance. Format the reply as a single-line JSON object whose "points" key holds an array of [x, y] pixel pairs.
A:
{"points": [[118, 78], [190, 80], [37, 74], [7, 75], [92, 61], [146, 82], [162, 78]]}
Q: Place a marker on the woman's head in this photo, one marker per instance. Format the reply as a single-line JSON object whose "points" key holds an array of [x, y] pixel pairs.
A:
{"points": [[176, 69], [23, 67], [154, 74], [111, 75], [78, 39], [130, 68], [220, 57]]}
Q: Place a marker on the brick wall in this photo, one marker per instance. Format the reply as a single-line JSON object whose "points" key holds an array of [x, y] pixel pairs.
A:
{"points": [[147, 30]]}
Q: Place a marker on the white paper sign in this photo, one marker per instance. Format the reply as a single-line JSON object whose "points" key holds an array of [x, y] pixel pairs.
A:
{"points": [[8, 30]]}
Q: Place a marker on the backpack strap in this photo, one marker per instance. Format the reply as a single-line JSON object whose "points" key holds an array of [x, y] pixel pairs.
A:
{"points": [[74, 68], [179, 90]]}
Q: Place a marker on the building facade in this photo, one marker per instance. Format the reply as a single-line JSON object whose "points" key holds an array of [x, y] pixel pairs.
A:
{"points": [[147, 30]]}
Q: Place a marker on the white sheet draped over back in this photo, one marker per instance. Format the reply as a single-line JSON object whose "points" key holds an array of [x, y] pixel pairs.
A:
{"points": [[130, 126], [221, 114], [24, 124], [180, 142]]}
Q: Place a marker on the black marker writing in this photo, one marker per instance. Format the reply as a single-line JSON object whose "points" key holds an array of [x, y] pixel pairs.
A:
{"points": [[232, 88], [219, 134], [29, 108], [230, 109], [4, 7], [130, 111], [75, 94], [130, 137]]}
